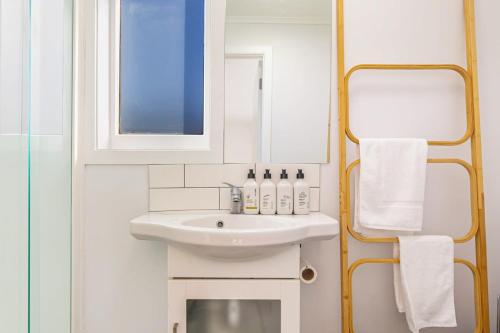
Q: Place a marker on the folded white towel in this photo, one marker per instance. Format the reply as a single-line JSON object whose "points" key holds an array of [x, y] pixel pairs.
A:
{"points": [[427, 281], [391, 185]]}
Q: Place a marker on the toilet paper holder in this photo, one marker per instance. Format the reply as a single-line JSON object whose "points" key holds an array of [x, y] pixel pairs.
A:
{"points": [[308, 273]]}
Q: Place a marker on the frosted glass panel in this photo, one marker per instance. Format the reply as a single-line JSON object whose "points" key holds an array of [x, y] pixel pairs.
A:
{"points": [[35, 168], [162, 63], [13, 233], [14, 150], [50, 166], [233, 316], [13, 60]]}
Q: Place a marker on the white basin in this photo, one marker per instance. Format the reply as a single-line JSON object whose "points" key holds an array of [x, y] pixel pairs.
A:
{"points": [[227, 236]]}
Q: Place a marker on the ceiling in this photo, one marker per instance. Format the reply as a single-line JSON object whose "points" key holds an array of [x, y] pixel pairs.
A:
{"points": [[310, 9]]}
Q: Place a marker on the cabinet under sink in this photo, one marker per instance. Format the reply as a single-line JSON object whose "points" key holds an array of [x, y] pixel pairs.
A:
{"points": [[233, 273]]}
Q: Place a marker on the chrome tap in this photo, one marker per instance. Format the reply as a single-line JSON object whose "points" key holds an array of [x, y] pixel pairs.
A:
{"points": [[236, 199]]}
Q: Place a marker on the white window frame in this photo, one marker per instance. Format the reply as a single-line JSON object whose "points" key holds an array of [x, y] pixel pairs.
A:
{"points": [[97, 82]]}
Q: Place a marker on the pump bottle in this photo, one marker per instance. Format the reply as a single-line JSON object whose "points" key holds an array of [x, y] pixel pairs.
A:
{"points": [[284, 195], [301, 194], [251, 195], [267, 195]]}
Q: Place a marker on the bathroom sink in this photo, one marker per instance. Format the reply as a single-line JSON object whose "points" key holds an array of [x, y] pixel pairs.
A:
{"points": [[228, 236]]}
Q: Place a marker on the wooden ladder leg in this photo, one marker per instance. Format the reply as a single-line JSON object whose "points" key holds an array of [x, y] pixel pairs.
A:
{"points": [[476, 150], [344, 234]]}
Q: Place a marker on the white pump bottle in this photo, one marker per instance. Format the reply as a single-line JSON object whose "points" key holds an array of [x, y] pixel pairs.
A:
{"points": [[251, 195], [267, 195], [301, 194], [285, 195]]}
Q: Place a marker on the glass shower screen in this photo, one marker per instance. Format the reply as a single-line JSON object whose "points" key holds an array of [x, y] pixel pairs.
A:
{"points": [[35, 165]]}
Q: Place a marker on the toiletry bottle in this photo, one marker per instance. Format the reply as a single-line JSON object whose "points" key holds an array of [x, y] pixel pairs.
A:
{"points": [[301, 194], [285, 195], [251, 195], [267, 195]]}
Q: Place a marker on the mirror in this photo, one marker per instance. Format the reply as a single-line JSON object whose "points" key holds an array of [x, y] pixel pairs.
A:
{"points": [[277, 81]]}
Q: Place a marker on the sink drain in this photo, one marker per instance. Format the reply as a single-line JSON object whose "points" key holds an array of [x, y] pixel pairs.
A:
{"points": [[220, 224]]}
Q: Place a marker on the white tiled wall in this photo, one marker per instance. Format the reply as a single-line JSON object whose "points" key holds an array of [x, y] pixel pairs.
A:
{"points": [[214, 175], [200, 186], [183, 198], [163, 176]]}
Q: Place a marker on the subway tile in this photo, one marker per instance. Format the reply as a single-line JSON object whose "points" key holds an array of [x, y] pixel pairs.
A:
{"points": [[311, 171], [213, 175], [314, 200], [225, 198], [166, 176], [166, 199]]}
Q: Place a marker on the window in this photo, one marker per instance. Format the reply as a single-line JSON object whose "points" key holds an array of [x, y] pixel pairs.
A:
{"points": [[161, 67], [157, 66]]}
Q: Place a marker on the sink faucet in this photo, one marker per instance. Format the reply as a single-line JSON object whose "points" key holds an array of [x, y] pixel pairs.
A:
{"points": [[236, 199]]}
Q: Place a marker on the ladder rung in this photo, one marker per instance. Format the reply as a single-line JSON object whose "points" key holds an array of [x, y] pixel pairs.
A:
{"points": [[410, 67], [474, 198], [451, 67], [475, 275]]}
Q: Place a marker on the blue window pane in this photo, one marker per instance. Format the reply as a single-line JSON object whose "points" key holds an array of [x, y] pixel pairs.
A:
{"points": [[161, 66]]}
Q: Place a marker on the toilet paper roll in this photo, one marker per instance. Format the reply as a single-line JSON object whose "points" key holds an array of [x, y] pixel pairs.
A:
{"points": [[308, 274]]}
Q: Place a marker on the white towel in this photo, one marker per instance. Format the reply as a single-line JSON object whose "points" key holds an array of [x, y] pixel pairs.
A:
{"points": [[389, 196], [427, 281], [390, 169], [391, 185]]}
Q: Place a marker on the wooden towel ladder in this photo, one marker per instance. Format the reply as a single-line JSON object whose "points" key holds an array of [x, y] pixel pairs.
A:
{"points": [[474, 170]]}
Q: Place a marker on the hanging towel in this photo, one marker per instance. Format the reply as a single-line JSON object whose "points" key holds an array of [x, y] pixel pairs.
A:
{"points": [[427, 281], [389, 196], [390, 193]]}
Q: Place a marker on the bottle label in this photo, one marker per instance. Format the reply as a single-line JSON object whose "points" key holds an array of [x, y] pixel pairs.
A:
{"points": [[267, 202], [303, 200], [251, 200], [285, 202]]}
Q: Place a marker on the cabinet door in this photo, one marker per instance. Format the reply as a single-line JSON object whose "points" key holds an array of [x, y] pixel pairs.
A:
{"points": [[234, 306], [177, 306]]}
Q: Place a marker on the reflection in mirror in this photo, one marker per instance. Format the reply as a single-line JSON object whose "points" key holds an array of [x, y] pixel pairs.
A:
{"points": [[277, 88]]}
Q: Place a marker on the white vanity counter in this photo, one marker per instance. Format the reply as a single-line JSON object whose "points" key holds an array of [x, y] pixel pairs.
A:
{"points": [[226, 236]]}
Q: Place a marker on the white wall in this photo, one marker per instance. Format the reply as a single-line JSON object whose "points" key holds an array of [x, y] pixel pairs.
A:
{"points": [[117, 267], [489, 80], [374, 306], [300, 92], [124, 280]]}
